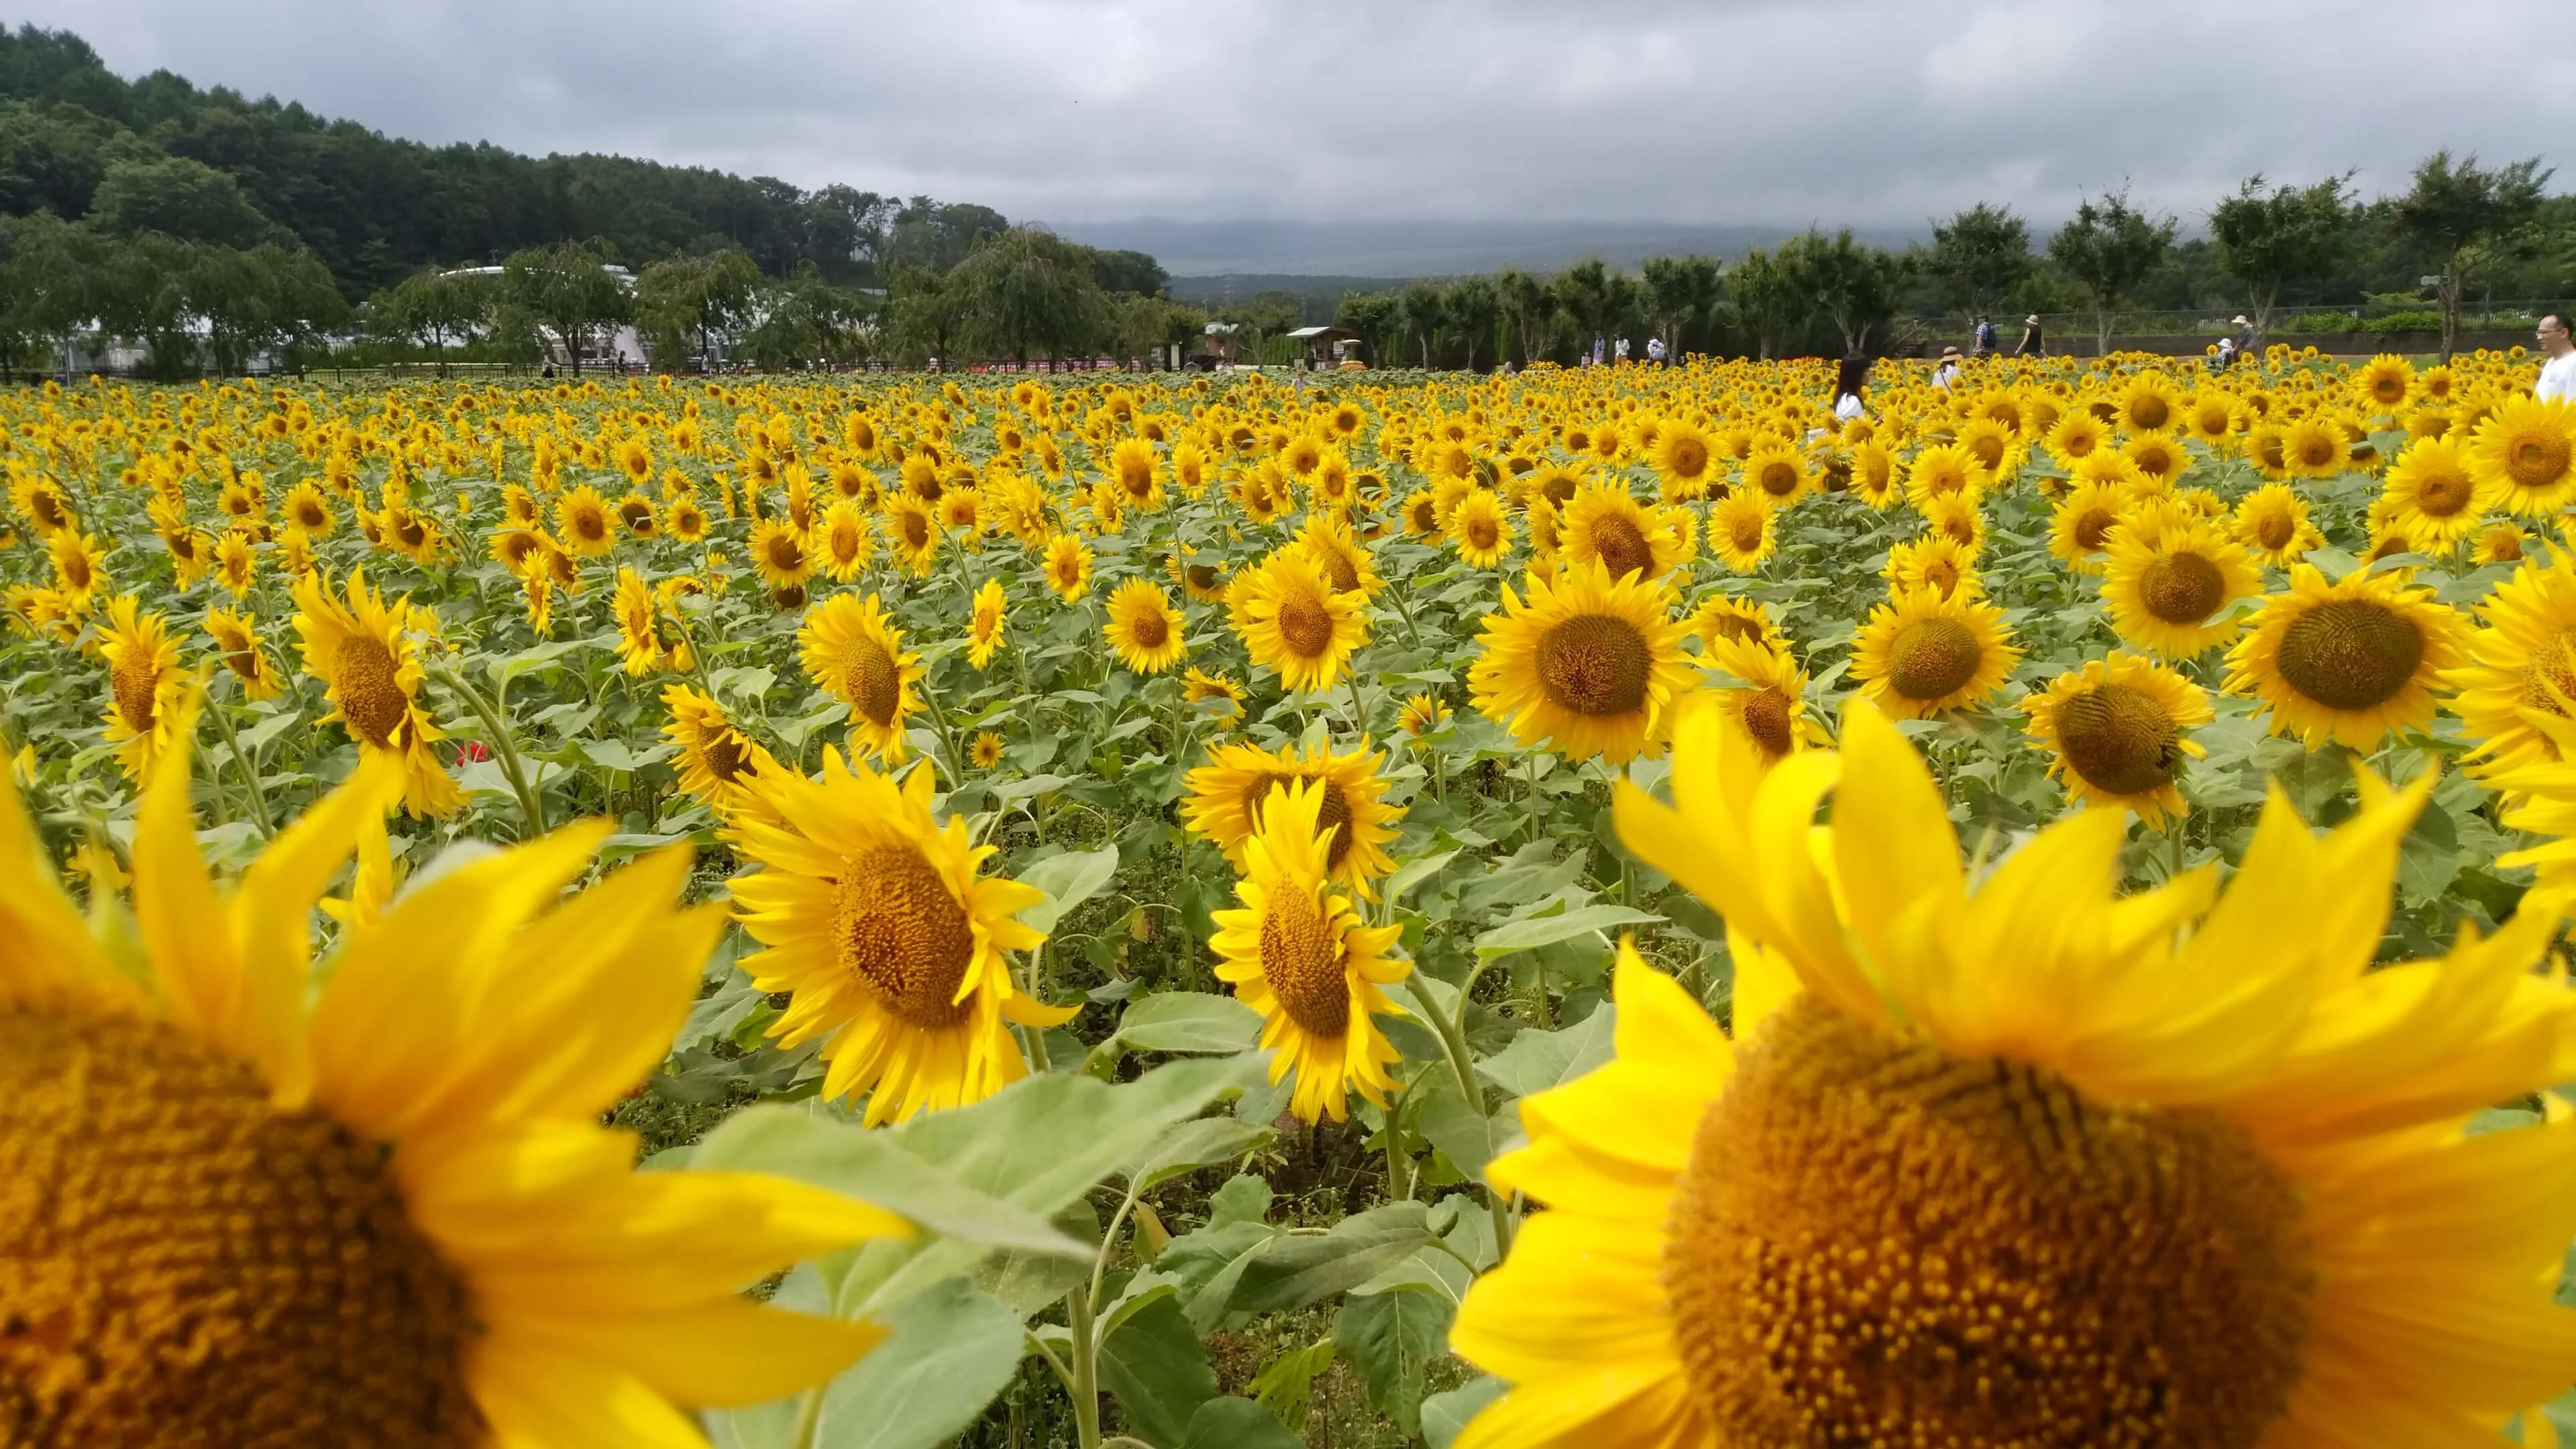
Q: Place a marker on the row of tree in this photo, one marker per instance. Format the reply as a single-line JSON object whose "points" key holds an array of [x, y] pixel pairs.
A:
{"points": [[2459, 222]]}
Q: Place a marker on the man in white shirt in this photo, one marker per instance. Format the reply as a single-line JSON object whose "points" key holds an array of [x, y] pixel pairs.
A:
{"points": [[2558, 374]]}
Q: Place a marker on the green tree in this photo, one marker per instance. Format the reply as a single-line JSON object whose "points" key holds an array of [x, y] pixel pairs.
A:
{"points": [[1978, 257], [1028, 290], [567, 290], [922, 313], [1424, 306], [1679, 292], [1849, 282], [683, 303], [1475, 312], [177, 197], [2109, 248], [1376, 317], [1767, 301], [2463, 216], [1528, 309], [1587, 299], [265, 299], [435, 307], [57, 282], [2286, 234]]}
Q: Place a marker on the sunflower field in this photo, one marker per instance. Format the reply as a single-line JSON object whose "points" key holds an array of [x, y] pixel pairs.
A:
{"points": [[1599, 907]]}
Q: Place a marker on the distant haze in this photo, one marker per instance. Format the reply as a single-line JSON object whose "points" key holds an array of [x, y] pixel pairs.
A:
{"points": [[1214, 249]]}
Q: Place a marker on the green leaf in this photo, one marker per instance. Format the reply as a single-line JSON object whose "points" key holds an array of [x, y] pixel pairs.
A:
{"points": [[527, 659], [1455, 1125], [871, 1166], [1189, 1021], [1211, 1262], [1288, 1383], [1445, 1416], [1294, 1271], [951, 1350], [1157, 1369], [1200, 1142], [1238, 1424], [1245, 1198], [1538, 1060], [1392, 1340], [1413, 873], [1069, 880], [1547, 930]]}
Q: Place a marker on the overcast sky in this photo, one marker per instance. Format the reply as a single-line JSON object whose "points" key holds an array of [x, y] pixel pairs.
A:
{"points": [[1870, 114]]}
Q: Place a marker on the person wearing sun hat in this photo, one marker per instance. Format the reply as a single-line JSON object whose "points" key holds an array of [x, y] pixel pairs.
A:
{"points": [[2033, 344], [1947, 370]]}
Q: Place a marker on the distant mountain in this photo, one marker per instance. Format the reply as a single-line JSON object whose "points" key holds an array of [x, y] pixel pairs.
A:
{"points": [[1299, 255]]}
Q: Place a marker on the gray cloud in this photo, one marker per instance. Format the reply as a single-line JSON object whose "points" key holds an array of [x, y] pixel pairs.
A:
{"points": [[1870, 113]]}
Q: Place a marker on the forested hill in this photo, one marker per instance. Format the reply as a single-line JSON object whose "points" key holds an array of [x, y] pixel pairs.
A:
{"points": [[160, 154]]}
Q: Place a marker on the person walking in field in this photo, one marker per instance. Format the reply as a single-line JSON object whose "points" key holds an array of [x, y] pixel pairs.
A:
{"points": [[2032, 344], [2558, 373], [1982, 344]]}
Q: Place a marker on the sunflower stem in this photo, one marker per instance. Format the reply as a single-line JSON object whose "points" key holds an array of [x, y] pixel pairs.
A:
{"points": [[809, 1418], [505, 751], [250, 775], [1085, 1366], [1453, 1044]]}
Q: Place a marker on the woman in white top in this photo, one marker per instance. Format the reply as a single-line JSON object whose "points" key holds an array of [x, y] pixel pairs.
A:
{"points": [[1848, 381]]}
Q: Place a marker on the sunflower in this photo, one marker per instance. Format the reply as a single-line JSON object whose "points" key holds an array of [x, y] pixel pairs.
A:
{"points": [[1684, 457], [1956, 516], [1988, 442], [1740, 530], [236, 639], [79, 563], [782, 554], [2150, 404], [1921, 654], [2313, 447], [1326, 538], [2499, 541], [844, 540], [1873, 474], [145, 685], [2168, 587], [2079, 528], [2350, 660], [1769, 708], [1421, 513], [1480, 530], [634, 458], [1422, 716], [875, 919], [42, 502], [363, 652], [717, 760], [307, 509], [1933, 562], [984, 752], [1943, 470], [2521, 662], [1144, 628], [1604, 524], [984, 628], [1295, 622], [2212, 417], [1297, 953], [2272, 523], [914, 531], [2383, 384], [2158, 456], [1720, 616], [1215, 696], [853, 652], [2114, 733], [646, 643], [2030, 1163], [686, 521], [1226, 795], [586, 522], [2431, 495], [2526, 450], [1068, 567], [1775, 473], [1590, 663], [412, 1162], [2077, 435]]}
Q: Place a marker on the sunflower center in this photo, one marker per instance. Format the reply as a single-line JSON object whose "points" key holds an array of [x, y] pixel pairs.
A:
{"points": [[1305, 624], [1745, 530], [1767, 718], [1151, 630], [2149, 412], [370, 695], [1877, 1242], [1689, 457], [2351, 653], [1933, 658], [2274, 531], [1339, 568], [2537, 459], [2443, 495], [902, 933], [1724, 625], [785, 554], [1778, 479], [875, 685], [1622, 546], [2549, 682], [1303, 964], [134, 682], [185, 1264], [1333, 814], [2182, 588], [2119, 740], [726, 758], [1594, 664], [1481, 535]]}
